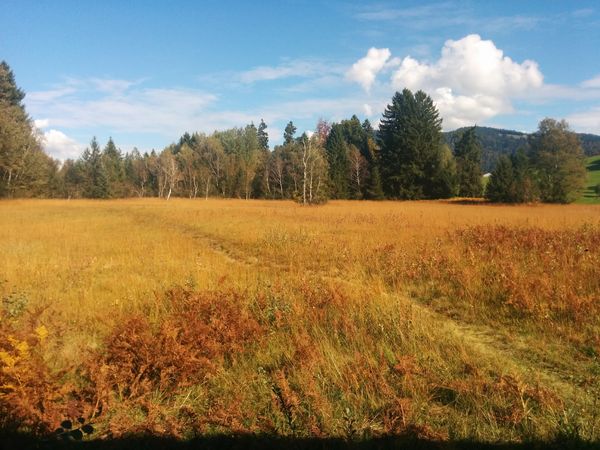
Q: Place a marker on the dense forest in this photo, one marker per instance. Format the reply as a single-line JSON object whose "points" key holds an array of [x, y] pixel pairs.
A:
{"points": [[407, 157]]}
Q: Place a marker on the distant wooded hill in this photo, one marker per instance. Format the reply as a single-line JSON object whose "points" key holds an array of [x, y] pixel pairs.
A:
{"points": [[495, 142]]}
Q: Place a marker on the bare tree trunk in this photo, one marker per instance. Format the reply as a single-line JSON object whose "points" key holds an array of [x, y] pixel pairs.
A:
{"points": [[9, 180], [310, 185], [304, 164], [268, 179]]}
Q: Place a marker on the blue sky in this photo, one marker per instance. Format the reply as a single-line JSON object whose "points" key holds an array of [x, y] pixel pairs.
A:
{"points": [[144, 72]]}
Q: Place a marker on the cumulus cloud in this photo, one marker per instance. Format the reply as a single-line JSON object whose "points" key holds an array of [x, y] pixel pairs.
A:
{"points": [[366, 69], [368, 110], [472, 80], [60, 146]]}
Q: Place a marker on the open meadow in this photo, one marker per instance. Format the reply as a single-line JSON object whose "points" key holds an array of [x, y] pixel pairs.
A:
{"points": [[445, 320]]}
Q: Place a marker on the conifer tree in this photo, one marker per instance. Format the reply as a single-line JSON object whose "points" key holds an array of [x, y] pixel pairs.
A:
{"points": [[337, 158], [501, 185], [373, 188], [10, 94], [97, 183], [112, 159], [25, 170], [468, 164], [263, 136], [525, 189], [410, 138], [289, 132]]}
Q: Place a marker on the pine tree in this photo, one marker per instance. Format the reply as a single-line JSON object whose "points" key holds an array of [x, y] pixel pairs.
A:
{"points": [[288, 133], [468, 164], [96, 180], [410, 138], [337, 158], [25, 170], [263, 136], [525, 189], [501, 185], [10, 94], [374, 189], [112, 160]]}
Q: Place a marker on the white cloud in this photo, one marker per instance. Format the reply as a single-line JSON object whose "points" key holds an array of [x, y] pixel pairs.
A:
{"points": [[586, 121], [417, 12], [60, 146], [288, 69], [366, 69], [41, 123], [368, 110], [49, 95], [472, 80], [120, 106], [111, 86], [448, 14], [593, 83], [472, 66]]}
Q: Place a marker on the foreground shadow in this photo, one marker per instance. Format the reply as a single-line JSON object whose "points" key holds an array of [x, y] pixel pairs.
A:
{"points": [[21, 441]]}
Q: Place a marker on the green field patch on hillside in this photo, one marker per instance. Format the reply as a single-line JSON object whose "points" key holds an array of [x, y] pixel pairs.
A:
{"points": [[590, 195]]}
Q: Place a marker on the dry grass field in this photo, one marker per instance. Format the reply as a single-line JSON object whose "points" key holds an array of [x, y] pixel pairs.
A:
{"points": [[444, 320]]}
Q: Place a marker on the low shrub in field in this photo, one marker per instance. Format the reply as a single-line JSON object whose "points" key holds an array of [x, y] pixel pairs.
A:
{"points": [[198, 334], [33, 397]]}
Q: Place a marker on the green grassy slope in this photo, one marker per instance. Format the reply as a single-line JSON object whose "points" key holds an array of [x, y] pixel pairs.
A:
{"points": [[593, 179]]}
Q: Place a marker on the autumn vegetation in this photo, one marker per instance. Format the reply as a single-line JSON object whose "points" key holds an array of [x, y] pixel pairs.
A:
{"points": [[357, 320]]}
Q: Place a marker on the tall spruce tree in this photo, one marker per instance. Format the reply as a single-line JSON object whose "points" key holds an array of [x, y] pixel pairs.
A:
{"points": [[25, 170], [525, 189], [468, 164], [263, 136], [410, 138], [373, 189], [289, 132], [336, 150], [502, 182], [112, 160], [97, 183]]}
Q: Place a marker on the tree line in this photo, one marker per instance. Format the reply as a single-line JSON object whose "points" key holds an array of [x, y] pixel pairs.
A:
{"points": [[405, 158]]}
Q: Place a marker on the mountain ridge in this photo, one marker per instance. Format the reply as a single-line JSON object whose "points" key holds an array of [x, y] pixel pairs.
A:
{"points": [[499, 141]]}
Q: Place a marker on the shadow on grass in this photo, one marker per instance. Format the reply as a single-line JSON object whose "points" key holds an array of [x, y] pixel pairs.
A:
{"points": [[274, 442], [593, 166], [467, 201]]}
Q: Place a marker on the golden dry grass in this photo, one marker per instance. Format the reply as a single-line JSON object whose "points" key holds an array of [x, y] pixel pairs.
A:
{"points": [[450, 319]]}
